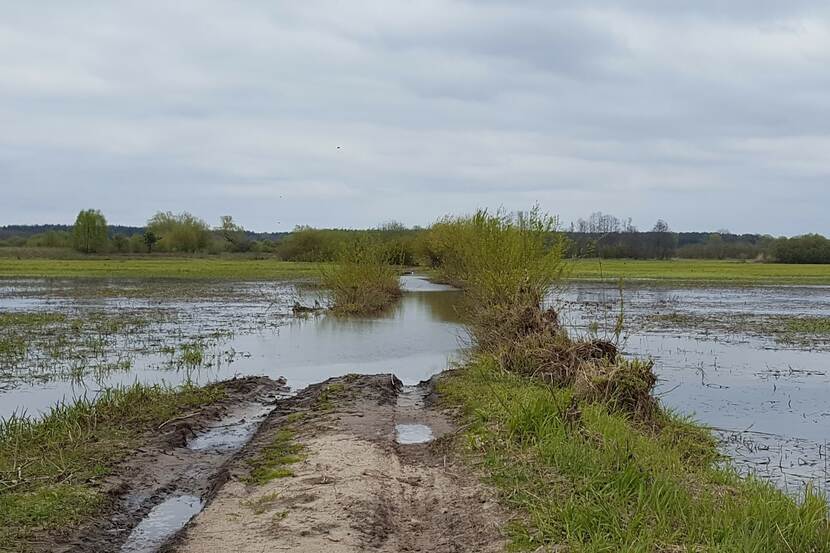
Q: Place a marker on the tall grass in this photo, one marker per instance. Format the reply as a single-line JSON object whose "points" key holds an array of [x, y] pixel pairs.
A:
{"points": [[363, 280]]}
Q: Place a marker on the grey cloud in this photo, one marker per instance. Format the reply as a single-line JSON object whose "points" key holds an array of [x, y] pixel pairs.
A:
{"points": [[709, 114]]}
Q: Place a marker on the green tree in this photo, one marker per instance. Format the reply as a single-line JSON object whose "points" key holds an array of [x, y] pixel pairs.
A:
{"points": [[234, 235], [150, 240], [90, 232]]}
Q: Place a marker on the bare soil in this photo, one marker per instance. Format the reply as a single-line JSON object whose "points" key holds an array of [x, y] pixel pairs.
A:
{"points": [[356, 488]]}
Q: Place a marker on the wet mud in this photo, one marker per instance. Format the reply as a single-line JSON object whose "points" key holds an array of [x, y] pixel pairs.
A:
{"points": [[168, 480]]}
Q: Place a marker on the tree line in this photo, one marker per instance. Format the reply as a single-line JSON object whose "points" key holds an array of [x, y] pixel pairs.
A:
{"points": [[600, 235]]}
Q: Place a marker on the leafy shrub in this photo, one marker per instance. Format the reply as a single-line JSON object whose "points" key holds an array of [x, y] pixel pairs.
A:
{"points": [[181, 232], [810, 248], [362, 280]]}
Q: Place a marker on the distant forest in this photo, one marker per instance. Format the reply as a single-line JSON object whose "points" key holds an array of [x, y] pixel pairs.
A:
{"points": [[600, 235]]}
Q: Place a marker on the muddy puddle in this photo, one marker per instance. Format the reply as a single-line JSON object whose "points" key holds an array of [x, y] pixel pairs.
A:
{"points": [[162, 523], [766, 398], [408, 434]]}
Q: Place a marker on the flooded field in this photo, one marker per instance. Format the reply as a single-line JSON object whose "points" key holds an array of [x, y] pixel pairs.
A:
{"points": [[737, 359], [728, 358]]}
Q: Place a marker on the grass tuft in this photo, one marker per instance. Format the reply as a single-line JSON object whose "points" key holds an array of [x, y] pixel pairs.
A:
{"points": [[274, 460]]}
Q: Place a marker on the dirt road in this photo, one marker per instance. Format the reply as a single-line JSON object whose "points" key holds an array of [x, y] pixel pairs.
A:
{"points": [[355, 488]]}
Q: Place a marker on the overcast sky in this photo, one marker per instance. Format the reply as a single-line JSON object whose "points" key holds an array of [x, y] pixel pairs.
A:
{"points": [[708, 113]]}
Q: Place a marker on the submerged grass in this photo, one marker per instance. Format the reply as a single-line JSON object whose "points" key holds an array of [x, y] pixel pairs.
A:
{"points": [[601, 481], [49, 466]]}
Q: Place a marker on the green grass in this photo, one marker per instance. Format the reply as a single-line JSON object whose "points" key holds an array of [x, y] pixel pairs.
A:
{"points": [[700, 271], [808, 325], [275, 459], [596, 481], [219, 268], [243, 268], [49, 467]]}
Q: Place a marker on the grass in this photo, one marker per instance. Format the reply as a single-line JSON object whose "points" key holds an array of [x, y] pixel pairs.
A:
{"points": [[700, 271], [49, 466], [244, 268], [275, 459], [218, 268], [808, 325], [598, 481]]}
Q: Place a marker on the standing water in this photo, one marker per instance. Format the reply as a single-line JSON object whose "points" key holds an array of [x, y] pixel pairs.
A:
{"points": [[763, 393]]}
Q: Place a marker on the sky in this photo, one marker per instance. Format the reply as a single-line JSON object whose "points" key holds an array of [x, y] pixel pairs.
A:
{"points": [[708, 114]]}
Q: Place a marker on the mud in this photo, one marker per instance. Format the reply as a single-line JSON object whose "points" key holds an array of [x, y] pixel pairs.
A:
{"points": [[356, 488], [165, 482]]}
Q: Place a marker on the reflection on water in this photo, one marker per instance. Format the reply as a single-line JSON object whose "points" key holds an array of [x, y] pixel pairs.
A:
{"points": [[161, 523], [414, 339]]}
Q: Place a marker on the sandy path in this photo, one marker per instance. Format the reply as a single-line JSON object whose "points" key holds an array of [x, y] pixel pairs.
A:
{"points": [[356, 490]]}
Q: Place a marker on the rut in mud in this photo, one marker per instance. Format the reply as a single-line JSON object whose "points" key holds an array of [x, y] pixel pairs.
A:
{"points": [[375, 474], [165, 482]]}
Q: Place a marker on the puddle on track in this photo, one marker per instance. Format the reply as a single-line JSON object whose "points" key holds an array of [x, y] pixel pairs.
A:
{"points": [[233, 431], [408, 434], [161, 523]]}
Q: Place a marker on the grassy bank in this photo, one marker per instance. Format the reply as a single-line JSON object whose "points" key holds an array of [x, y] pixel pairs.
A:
{"points": [[569, 429], [227, 268], [49, 468], [700, 271], [588, 478], [246, 268]]}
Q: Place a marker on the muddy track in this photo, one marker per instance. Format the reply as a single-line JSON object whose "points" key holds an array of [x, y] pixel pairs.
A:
{"points": [[356, 488], [177, 468]]}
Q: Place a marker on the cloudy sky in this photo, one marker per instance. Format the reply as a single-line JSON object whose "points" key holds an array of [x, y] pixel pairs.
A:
{"points": [[709, 114]]}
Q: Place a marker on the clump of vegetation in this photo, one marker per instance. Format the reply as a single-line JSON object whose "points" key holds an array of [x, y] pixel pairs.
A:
{"points": [[507, 266], [49, 465], [808, 325], [181, 232], [810, 248], [584, 476], [364, 279], [275, 459]]}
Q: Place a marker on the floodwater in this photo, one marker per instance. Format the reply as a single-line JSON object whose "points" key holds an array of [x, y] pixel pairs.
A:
{"points": [[415, 339], [766, 400]]}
